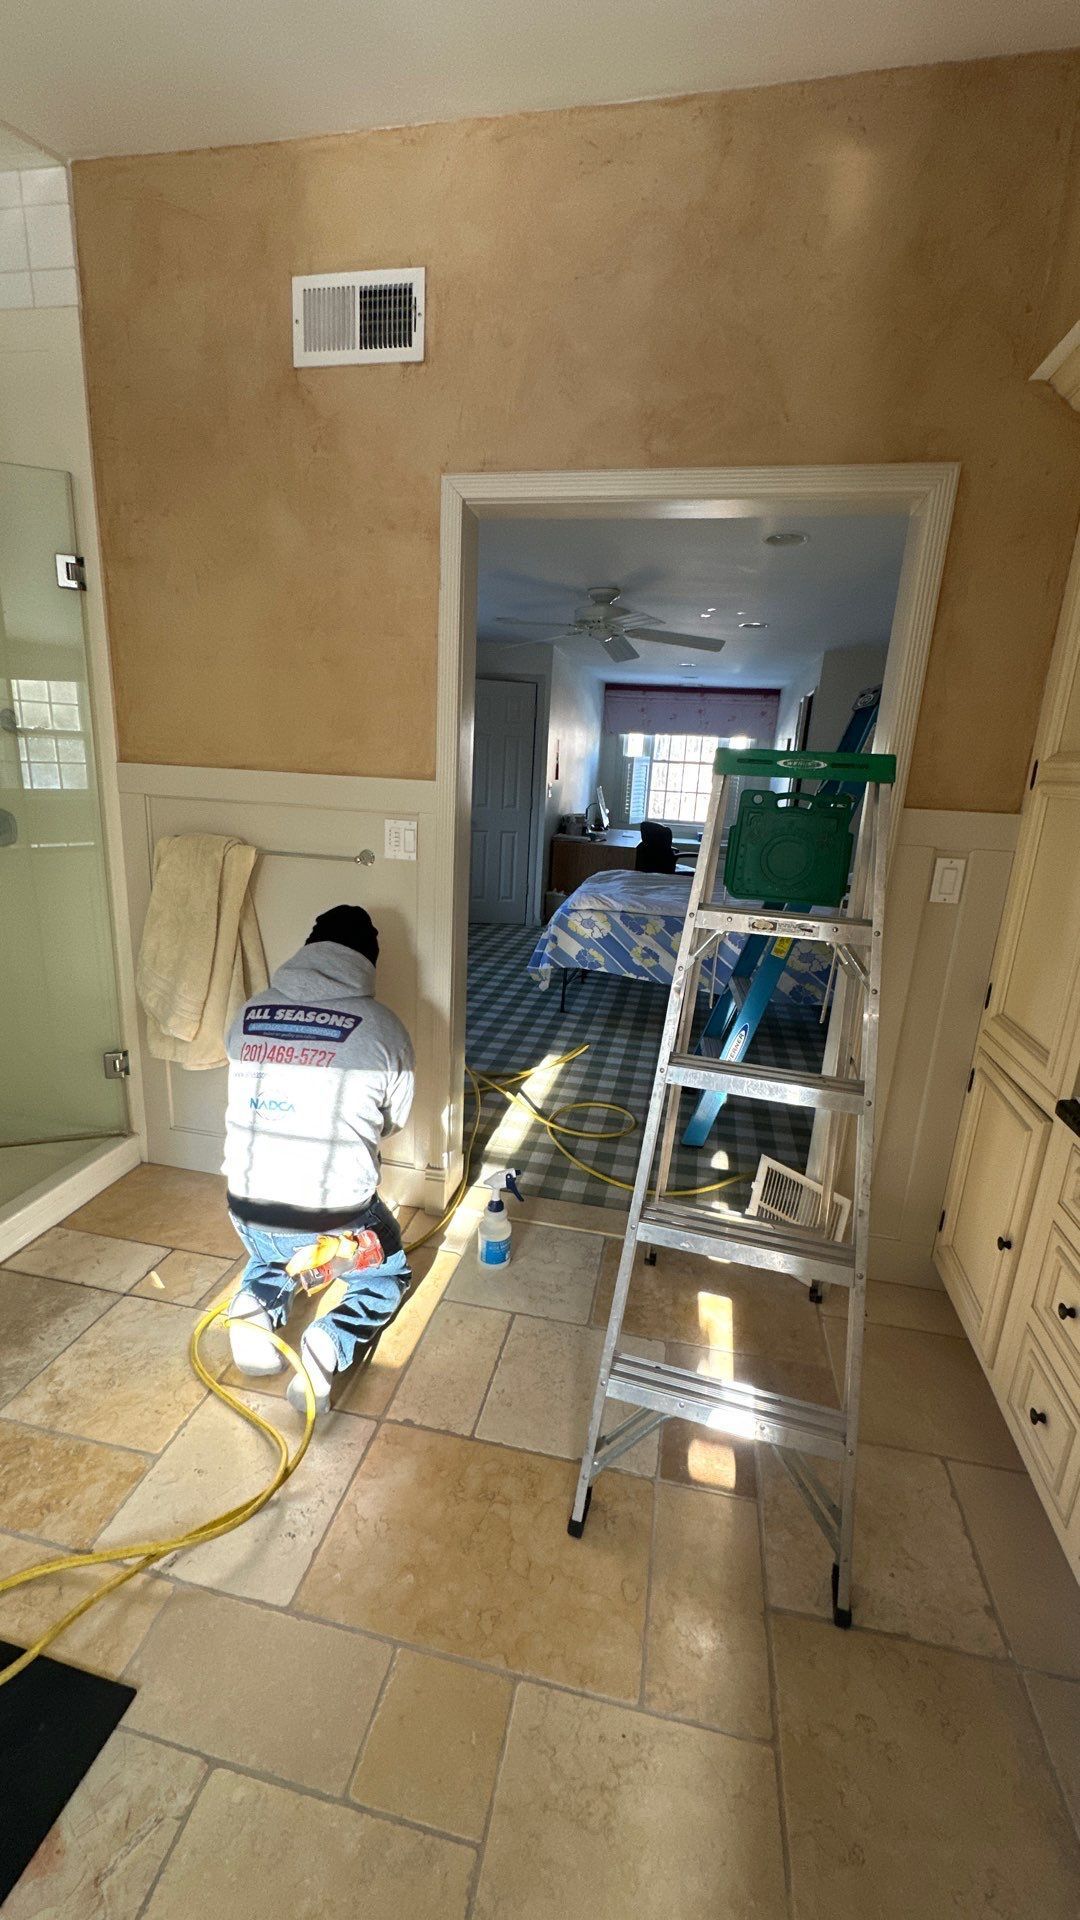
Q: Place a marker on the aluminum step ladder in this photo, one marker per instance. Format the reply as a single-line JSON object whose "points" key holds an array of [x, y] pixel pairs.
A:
{"points": [[656, 1390], [759, 969]]}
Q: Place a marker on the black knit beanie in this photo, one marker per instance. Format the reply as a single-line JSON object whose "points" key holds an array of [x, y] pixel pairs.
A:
{"points": [[348, 927]]}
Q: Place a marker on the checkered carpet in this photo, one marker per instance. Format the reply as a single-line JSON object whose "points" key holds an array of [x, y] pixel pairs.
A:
{"points": [[512, 1025]]}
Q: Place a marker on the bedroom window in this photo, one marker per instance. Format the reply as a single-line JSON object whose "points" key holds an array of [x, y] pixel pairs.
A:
{"points": [[52, 745], [680, 776]]}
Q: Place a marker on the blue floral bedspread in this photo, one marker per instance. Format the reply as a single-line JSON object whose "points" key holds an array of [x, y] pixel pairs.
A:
{"points": [[629, 923]]}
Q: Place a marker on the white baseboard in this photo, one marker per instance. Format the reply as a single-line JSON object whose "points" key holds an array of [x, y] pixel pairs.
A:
{"points": [[45, 1205]]}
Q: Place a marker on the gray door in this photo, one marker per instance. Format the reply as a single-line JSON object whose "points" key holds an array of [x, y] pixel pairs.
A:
{"points": [[502, 801]]}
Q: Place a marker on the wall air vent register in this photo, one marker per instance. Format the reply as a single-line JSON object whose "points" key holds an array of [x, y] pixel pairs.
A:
{"points": [[358, 319]]}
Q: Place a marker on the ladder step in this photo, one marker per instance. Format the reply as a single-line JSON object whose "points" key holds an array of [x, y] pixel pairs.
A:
{"points": [[836, 932], [710, 1075], [749, 1241], [729, 1406]]}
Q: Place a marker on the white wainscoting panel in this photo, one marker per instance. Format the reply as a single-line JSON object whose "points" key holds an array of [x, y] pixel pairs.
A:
{"points": [[302, 821], [936, 968]]}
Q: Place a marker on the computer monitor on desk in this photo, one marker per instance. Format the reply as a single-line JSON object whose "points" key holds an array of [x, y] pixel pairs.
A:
{"points": [[600, 805]]}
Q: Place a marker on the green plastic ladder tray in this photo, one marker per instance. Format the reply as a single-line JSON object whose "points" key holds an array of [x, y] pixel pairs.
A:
{"points": [[787, 847]]}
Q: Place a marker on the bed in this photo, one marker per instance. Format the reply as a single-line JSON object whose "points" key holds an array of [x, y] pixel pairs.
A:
{"points": [[629, 923]]}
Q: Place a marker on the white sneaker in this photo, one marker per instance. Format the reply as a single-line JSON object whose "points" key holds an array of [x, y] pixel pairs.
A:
{"points": [[319, 1355], [249, 1324]]}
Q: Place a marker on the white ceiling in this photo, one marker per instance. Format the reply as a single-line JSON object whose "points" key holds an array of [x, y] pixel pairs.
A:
{"points": [[837, 590], [137, 76]]}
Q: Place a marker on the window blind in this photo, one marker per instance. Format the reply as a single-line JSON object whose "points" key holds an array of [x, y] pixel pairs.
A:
{"points": [[637, 788], [715, 710]]}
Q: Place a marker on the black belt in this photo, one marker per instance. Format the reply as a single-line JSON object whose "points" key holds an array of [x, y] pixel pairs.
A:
{"points": [[276, 1217]]}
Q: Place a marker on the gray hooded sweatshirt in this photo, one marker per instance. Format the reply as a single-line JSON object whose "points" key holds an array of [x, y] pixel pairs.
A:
{"points": [[318, 1073]]}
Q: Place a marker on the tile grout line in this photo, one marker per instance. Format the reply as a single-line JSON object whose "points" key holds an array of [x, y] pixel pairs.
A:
{"points": [[111, 1298], [377, 1422], [1072, 1819], [1015, 1662], [291, 1610], [338, 1504], [391, 1667], [898, 1638], [486, 1395], [159, 1571], [386, 1418], [650, 1570], [481, 1845], [215, 1764], [1006, 1641], [79, 1439], [181, 1824], [517, 1675], [774, 1691]]}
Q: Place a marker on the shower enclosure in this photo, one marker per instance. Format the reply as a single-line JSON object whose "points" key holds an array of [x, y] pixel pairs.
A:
{"points": [[58, 1006]]}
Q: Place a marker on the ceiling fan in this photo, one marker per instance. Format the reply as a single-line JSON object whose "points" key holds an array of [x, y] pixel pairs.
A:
{"points": [[613, 626]]}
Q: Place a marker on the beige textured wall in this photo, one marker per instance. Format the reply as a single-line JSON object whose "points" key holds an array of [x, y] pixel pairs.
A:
{"points": [[853, 270]]}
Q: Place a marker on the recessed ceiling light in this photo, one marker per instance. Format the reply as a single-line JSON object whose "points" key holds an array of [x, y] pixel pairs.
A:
{"points": [[686, 663], [704, 616], [710, 609], [747, 625], [786, 539]]}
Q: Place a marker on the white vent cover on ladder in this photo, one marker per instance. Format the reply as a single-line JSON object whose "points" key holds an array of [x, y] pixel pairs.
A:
{"points": [[781, 1194], [352, 319]]}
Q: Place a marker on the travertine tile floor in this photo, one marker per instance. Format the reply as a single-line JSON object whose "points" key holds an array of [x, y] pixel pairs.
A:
{"points": [[403, 1690]]}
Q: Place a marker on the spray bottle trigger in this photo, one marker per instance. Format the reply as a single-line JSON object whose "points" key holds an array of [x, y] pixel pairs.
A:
{"points": [[512, 1184]]}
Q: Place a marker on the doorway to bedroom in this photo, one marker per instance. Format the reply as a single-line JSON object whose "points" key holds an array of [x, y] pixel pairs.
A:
{"points": [[614, 653]]}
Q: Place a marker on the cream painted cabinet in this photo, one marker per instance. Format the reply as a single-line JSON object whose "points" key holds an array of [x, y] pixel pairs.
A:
{"points": [[1038, 1372], [999, 1153], [1033, 1020], [1009, 1245]]}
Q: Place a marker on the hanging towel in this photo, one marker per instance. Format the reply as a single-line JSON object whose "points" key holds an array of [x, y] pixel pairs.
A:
{"points": [[202, 953]]}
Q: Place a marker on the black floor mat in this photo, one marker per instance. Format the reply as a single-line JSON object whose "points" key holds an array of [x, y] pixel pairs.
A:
{"points": [[54, 1721]]}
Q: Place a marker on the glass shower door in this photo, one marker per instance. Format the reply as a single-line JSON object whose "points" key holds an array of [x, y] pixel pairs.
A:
{"points": [[58, 1005]]}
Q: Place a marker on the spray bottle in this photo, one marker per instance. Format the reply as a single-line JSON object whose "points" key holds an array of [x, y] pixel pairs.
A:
{"points": [[494, 1223]]}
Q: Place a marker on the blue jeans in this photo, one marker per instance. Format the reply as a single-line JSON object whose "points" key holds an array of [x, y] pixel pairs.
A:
{"points": [[373, 1294]]}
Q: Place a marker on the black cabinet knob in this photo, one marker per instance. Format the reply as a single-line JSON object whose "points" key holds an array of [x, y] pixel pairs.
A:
{"points": [[1003, 1244], [1064, 1312], [1037, 1419]]}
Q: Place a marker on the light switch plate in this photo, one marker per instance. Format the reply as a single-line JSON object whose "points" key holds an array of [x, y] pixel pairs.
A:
{"points": [[400, 840], [948, 881]]}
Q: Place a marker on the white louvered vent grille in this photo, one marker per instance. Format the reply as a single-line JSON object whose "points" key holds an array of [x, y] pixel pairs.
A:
{"points": [[355, 319]]}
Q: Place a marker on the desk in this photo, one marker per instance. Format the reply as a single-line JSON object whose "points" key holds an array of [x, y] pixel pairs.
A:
{"points": [[574, 859]]}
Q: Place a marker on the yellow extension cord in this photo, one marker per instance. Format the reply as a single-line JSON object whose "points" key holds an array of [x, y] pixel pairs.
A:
{"points": [[146, 1553]]}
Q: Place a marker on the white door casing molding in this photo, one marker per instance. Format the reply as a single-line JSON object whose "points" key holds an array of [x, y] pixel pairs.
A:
{"points": [[925, 493]]}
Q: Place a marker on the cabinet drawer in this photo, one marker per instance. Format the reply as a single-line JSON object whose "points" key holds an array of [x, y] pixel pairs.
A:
{"points": [[1057, 1302], [1045, 1422]]}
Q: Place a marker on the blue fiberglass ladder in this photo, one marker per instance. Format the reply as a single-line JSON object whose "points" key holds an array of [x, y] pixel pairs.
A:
{"points": [[756, 974]]}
